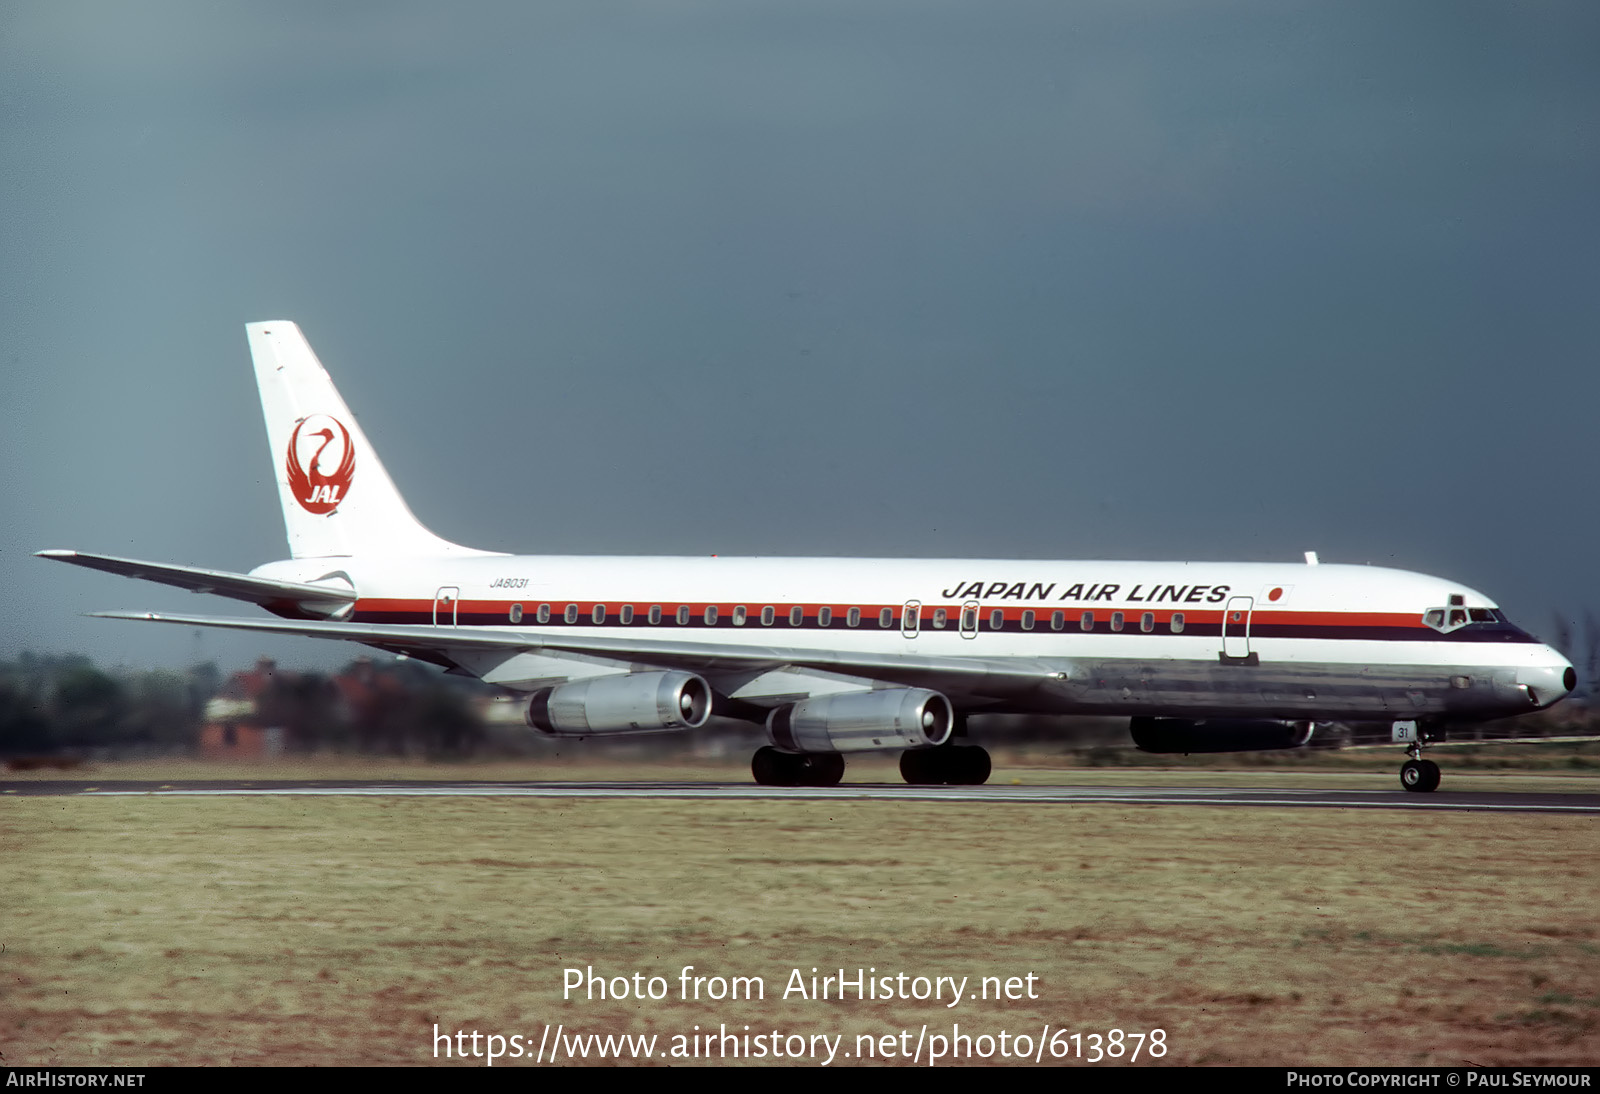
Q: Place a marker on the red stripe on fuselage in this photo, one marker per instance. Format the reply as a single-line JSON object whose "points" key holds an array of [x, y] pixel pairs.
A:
{"points": [[869, 613]]}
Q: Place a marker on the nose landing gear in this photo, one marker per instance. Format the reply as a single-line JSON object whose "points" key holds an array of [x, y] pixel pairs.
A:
{"points": [[1417, 775]]}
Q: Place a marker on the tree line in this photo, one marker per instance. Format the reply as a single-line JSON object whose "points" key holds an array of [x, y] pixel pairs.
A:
{"points": [[55, 704]]}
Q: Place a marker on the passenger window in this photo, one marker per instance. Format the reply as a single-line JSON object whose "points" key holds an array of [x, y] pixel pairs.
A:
{"points": [[599, 613], [853, 618], [627, 613], [824, 616], [886, 618], [1116, 621], [572, 613], [997, 620], [516, 613], [1027, 620], [655, 614], [544, 613], [1147, 622], [1058, 620], [711, 615], [1177, 622], [739, 615], [797, 615], [969, 619], [1086, 621], [683, 615], [767, 616], [940, 618]]}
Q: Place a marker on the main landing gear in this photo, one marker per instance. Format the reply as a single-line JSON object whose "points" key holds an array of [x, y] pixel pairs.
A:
{"points": [[774, 768], [949, 765], [1417, 775], [946, 765]]}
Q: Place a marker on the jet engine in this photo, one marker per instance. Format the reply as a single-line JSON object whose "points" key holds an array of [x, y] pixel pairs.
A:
{"points": [[858, 721], [1217, 734], [627, 703]]}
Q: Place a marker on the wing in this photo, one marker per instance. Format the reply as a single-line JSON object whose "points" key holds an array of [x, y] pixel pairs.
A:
{"points": [[969, 682], [289, 597]]}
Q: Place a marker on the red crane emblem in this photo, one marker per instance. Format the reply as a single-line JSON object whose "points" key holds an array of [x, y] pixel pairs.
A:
{"points": [[315, 490]]}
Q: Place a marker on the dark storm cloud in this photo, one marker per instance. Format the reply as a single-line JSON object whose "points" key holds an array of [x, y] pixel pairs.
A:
{"points": [[1053, 280]]}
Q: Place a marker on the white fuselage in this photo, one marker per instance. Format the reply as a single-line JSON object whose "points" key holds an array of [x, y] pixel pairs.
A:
{"points": [[1161, 638]]}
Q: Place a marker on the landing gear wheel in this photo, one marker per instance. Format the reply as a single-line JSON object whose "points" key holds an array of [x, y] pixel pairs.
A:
{"points": [[975, 766], [769, 767], [823, 769], [947, 765], [773, 768], [1411, 775], [1419, 776], [916, 767], [1432, 773]]}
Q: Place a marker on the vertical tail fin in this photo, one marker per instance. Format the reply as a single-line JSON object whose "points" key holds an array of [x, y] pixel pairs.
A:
{"points": [[337, 498]]}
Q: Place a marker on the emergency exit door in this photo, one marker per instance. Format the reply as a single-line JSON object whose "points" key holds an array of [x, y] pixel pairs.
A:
{"points": [[444, 606], [1236, 628]]}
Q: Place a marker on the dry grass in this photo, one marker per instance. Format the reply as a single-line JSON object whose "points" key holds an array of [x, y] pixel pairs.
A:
{"points": [[1019, 767], [144, 931]]}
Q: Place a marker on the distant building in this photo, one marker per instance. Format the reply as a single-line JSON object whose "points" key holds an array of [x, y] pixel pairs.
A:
{"points": [[237, 725]]}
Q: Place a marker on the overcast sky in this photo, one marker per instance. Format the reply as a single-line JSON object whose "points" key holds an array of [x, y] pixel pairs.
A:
{"points": [[1058, 280]]}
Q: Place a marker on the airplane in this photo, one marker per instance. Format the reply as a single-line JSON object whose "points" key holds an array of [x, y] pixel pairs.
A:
{"points": [[842, 656]]}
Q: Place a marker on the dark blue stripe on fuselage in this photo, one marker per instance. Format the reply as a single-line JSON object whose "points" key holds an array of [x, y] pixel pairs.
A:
{"points": [[1477, 632]]}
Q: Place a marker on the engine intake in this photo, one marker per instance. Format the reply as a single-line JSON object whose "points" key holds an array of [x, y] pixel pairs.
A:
{"points": [[628, 703], [1217, 734], [859, 721]]}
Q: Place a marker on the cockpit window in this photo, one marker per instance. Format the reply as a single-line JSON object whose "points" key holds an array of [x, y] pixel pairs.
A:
{"points": [[1445, 620]]}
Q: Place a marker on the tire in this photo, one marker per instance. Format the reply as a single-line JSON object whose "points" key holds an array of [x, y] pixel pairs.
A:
{"points": [[947, 765], [915, 767], [824, 769], [975, 766], [768, 767], [1430, 777], [1419, 776]]}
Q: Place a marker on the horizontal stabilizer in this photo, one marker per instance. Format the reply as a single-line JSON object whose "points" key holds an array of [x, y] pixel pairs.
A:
{"points": [[318, 600]]}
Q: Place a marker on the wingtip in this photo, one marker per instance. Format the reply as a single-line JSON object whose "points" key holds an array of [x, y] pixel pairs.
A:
{"points": [[55, 552]]}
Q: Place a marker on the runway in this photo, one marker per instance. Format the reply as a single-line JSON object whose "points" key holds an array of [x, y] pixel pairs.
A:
{"points": [[988, 795]]}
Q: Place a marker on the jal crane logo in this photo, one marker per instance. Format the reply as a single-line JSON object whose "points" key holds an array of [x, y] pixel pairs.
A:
{"points": [[317, 490]]}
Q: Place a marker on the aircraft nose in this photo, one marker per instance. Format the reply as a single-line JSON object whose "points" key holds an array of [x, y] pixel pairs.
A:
{"points": [[1549, 683]]}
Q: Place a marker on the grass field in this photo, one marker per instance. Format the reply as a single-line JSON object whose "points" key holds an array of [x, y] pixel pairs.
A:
{"points": [[142, 931], [335, 931]]}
